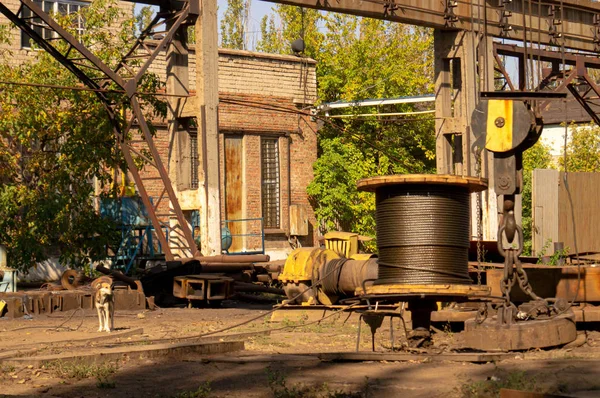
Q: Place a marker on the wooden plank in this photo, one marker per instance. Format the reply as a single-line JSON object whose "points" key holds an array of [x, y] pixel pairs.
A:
{"points": [[474, 184], [440, 290], [544, 202], [132, 352], [234, 189], [207, 92], [585, 190]]}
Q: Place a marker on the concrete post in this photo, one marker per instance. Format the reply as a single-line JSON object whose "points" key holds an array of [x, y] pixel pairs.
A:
{"points": [[207, 92]]}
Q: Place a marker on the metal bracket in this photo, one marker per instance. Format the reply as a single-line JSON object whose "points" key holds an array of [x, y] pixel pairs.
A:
{"points": [[449, 14]]}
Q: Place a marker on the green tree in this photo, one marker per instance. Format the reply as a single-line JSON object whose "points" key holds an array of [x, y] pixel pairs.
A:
{"points": [[270, 40], [55, 142], [583, 149], [234, 24], [360, 59], [536, 157]]}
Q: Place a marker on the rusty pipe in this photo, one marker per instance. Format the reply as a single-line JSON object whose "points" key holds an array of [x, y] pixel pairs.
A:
{"points": [[235, 258], [342, 277], [118, 275]]}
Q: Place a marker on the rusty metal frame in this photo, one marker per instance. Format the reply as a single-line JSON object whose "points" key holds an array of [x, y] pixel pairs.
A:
{"points": [[590, 96], [77, 58]]}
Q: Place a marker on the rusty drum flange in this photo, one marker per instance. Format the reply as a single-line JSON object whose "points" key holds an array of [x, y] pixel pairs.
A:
{"points": [[489, 335]]}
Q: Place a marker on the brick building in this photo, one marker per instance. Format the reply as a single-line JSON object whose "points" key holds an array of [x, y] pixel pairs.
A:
{"points": [[266, 150]]}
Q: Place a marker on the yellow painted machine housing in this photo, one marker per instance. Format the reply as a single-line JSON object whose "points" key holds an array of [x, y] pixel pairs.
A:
{"points": [[302, 262], [343, 243]]}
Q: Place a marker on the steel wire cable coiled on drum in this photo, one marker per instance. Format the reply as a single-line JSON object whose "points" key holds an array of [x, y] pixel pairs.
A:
{"points": [[333, 271], [423, 234]]}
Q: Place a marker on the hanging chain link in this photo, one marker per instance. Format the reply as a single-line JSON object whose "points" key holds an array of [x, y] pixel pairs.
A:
{"points": [[514, 236]]}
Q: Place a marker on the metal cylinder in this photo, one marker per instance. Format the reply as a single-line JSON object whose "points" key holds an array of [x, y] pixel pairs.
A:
{"points": [[423, 229], [341, 277]]}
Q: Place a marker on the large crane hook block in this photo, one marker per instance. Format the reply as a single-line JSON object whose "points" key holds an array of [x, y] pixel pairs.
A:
{"points": [[502, 124]]}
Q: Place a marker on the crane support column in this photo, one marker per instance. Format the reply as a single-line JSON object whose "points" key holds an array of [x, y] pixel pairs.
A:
{"points": [[207, 92], [458, 55]]}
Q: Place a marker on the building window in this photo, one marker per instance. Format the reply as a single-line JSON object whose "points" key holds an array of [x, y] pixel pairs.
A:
{"points": [[63, 7], [194, 160], [270, 182]]}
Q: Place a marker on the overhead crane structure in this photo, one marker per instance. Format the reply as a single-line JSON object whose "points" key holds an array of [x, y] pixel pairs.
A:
{"points": [[470, 48], [466, 58]]}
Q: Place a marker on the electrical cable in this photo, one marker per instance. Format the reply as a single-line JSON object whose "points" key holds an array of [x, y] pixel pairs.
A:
{"points": [[314, 286]]}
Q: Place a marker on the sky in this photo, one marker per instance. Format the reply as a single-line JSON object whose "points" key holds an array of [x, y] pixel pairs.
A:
{"points": [[257, 10]]}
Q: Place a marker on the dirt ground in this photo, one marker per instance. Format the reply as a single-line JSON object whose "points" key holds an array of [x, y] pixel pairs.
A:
{"points": [[280, 363]]}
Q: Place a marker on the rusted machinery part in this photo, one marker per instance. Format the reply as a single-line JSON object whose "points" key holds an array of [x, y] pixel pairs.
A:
{"points": [[271, 266], [341, 278], [423, 227], [225, 267], [518, 336], [71, 279], [235, 258], [254, 288], [100, 280], [118, 275], [331, 275]]}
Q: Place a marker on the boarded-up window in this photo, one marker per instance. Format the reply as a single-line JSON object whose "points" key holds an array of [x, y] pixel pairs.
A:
{"points": [[193, 160], [270, 182]]}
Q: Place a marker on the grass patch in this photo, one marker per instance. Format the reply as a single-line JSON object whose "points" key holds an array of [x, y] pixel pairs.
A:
{"points": [[4, 368], [203, 391], [280, 388], [491, 388], [78, 371]]}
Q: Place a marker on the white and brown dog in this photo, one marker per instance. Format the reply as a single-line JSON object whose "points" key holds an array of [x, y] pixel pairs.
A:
{"points": [[105, 304]]}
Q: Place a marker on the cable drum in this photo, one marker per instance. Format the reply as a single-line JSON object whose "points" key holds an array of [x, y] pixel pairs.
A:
{"points": [[423, 234]]}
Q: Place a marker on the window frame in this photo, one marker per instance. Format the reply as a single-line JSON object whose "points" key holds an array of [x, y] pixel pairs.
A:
{"points": [[272, 181], [56, 9]]}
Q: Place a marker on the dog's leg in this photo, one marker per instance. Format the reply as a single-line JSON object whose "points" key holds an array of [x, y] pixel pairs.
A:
{"points": [[100, 322]]}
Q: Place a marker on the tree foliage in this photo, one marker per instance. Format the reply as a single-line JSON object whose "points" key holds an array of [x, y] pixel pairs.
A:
{"points": [[54, 143], [536, 157], [234, 24], [360, 59], [583, 149]]}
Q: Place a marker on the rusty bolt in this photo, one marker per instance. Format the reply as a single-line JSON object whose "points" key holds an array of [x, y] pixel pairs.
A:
{"points": [[499, 122]]}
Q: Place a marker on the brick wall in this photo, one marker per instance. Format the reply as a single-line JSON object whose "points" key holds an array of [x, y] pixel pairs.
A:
{"points": [[259, 94], [19, 55]]}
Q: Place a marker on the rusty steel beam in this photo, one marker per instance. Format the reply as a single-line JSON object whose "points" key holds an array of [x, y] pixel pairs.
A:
{"points": [[576, 25], [570, 58]]}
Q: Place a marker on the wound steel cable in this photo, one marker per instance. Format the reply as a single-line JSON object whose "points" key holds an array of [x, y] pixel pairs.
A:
{"points": [[423, 234]]}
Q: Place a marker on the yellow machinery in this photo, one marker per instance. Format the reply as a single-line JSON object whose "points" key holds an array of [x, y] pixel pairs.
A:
{"points": [[316, 275]]}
